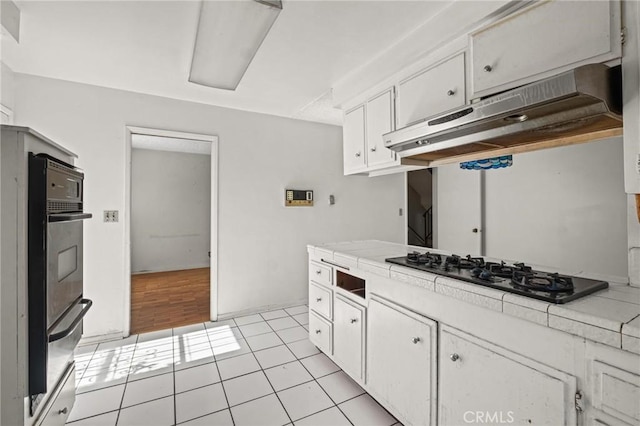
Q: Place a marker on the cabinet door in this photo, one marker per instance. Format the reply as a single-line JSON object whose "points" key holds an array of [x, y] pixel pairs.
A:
{"points": [[348, 336], [379, 121], [433, 91], [616, 392], [548, 37], [401, 361], [353, 135], [483, 383]]}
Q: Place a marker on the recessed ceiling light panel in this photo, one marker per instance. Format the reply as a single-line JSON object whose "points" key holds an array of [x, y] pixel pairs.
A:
{"points": [[228, 37]]}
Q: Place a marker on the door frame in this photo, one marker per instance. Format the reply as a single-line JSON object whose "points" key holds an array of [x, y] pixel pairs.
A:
{"points": [[213, 279]]}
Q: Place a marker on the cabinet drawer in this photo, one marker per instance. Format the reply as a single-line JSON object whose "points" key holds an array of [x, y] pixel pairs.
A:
{"points": [[320, 332], [321, 300], [320, 273], [545, 39], [58, 412], [433, 91], [616, 392]]}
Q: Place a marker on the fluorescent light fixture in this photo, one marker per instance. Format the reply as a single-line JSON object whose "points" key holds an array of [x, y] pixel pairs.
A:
{"points": [[229, 35]]}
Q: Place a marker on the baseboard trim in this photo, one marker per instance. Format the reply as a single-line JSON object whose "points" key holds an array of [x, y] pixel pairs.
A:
{"points": [[252, 311], [90, 340], [158, 271]]}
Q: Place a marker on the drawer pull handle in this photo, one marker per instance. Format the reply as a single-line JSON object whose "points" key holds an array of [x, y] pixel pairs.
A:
{"points": [[318, 272], [454, 357], [450, 93], [415, 340], [319, 299], [354, 320], [318, 331], [63, 411], [373, 149], [358, 154], [488, 68]]}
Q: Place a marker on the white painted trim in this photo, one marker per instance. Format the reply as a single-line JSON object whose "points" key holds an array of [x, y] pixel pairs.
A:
{"points": [[127, 215], [264, 308], [405, 208], [8, 112]]}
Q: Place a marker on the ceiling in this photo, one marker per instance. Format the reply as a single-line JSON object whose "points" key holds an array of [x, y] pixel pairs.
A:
{"points": [[146, 47]]}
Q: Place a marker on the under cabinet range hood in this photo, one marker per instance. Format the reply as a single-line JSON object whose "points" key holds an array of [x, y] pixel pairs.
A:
{"points": [[576, 106]]}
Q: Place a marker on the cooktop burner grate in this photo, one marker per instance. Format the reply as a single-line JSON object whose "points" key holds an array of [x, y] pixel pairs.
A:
{"points": [[515, 278], [542, 281]]}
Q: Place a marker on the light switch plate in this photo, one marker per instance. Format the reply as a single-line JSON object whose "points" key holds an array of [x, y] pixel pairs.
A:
{"points": [[110, 215]]}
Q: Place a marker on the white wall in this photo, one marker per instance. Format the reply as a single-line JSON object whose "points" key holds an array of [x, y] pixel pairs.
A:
{"points": [[6, 86], [262, 244], [7, 93], [563, 207], [170, 210]]}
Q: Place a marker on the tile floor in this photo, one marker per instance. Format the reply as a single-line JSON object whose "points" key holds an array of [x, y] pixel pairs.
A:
{"points": [[252, 370]]}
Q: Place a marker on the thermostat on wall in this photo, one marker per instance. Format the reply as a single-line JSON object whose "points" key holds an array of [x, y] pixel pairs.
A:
{"points": [[297, 197]]}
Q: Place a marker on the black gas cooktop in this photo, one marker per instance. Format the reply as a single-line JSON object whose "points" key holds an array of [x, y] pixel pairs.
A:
{"points": [[515, 278]]}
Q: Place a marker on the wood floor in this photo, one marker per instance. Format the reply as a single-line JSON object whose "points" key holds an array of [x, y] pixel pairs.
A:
{"points": [[163, 300]]}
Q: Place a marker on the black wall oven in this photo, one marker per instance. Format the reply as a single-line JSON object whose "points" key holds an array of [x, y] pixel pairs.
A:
{"points": [[55, 276]]}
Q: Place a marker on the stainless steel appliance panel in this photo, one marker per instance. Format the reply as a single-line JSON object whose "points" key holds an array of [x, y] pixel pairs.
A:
{"points": [[64, 267], [60, 352]]}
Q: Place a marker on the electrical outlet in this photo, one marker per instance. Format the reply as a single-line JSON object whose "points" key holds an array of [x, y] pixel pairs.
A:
{"points": [[111, 215]]}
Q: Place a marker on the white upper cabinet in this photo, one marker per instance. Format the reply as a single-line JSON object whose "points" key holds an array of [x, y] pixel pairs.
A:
{"points": [[432, 91], [379, 119], [363, 128], [354, 143], [477, 378], [543, 40]]}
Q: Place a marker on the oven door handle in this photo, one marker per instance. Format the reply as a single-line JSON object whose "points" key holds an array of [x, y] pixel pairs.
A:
{"points": [[68, 217], [67, 331]]}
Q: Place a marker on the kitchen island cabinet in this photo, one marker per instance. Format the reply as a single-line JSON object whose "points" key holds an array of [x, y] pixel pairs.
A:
{"points": [[480, 382], [349, 335], [481, 352], [613, 383], [401, 361], [321, 306]]}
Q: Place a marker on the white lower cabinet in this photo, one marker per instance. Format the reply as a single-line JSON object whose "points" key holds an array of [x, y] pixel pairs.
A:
{"points": [[348, 336], [401, 361], [483, 383], [62, 400], [613, 386], [609, 380], [320, 331]]}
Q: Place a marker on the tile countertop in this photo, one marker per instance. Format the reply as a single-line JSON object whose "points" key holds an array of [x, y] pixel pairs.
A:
{"points": [[610, 316]]}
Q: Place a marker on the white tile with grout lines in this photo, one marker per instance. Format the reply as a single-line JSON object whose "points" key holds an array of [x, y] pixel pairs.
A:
{"points": [[184, 358]]}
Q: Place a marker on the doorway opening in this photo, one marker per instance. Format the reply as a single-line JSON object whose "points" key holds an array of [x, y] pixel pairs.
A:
{"points": [[172, 228], [420, 208]]}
